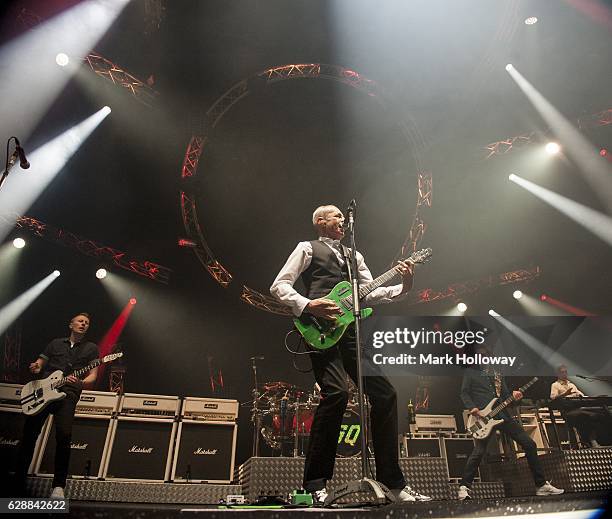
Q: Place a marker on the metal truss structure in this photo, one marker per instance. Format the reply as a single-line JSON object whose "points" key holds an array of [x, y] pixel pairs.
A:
{"points": [[11, 353], [223, 104], [108, 70], [603, 118], [507, 145], [116, 379], [456, 290], [88, 247], [418, 228], [104, 67]]}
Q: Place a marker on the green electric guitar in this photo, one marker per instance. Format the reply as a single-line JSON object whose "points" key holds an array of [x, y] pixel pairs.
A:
{"points": [[323, 333]]}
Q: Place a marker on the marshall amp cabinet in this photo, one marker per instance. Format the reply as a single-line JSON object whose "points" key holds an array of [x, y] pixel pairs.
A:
{"points": [[151, 406], [11, 428], [457, 450], [204, 451], [142, 438], [209, 409], [443, 423], [422, 445], [140, 449], [98, 403], [91, 434], [10, 395]]}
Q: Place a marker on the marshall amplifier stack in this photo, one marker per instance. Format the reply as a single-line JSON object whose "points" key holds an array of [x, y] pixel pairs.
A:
{"points": [[91, 433], [206, 441], [11, 426], [142, 438]]}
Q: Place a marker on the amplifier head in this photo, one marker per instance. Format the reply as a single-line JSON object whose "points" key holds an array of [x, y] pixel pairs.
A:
{"points": [[161, 406], [10, 395]]}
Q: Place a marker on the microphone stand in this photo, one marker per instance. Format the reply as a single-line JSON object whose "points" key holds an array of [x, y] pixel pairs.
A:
{"points": [[255, 414], [365, 484], [10, 162]]}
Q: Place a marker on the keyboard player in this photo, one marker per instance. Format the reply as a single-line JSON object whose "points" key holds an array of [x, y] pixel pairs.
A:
{"points": [[568, 396]]}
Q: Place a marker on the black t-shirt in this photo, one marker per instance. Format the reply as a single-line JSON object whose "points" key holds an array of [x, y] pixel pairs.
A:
{"points": [[59, 355]]}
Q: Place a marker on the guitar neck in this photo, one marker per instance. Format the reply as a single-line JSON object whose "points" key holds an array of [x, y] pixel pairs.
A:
{"points": [[79, 372], [379, 281], [500, 407]]}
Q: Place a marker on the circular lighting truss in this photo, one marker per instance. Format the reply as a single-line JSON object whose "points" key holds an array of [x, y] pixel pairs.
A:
{"points": [[264, 79]]}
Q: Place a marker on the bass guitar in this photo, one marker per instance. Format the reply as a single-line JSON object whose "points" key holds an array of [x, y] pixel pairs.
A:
{"points": [[324, 333], [481, 425], [38, 394]]}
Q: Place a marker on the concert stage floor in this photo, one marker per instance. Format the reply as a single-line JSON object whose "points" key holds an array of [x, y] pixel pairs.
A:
{"points": [[570, 506]]}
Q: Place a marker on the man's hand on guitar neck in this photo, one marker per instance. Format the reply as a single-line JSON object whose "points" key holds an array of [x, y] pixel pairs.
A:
{"points": [[406, 270], [517, 395], [324, 308], [475, 411]]}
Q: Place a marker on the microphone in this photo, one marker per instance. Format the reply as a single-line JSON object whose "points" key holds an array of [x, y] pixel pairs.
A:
{"points": [[258, 357], [351, 207], [583, 376], [23, 162]]}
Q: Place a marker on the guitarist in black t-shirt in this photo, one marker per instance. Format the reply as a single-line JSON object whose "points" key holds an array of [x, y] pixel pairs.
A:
{"points": [[66, 354]]}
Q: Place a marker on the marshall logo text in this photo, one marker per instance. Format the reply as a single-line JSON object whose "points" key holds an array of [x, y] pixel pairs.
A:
{"points": [[141, 450], [209, 452]]}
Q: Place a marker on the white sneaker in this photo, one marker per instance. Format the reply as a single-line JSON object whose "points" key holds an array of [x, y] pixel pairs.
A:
{"points": [[319, 497], [408, 495], [548, 490], [57, 493], [464, 493]]}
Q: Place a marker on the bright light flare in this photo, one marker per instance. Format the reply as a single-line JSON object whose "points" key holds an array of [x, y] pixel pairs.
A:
{"points": [[101, 273], [532, 20], [552, 148], [22, 190], [462, 307], [509, 67], [593, 221], [517, 294], [10, 312], [133, 301], [19, 243], [493, 313], [597, 173], [62, 59]]}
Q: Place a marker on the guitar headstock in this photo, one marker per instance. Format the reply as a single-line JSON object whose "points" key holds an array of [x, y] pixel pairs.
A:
{"points": [[112, 356], [420, 256]]}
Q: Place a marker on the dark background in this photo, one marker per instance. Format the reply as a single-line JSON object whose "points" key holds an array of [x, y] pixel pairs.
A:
{"points": [[291, 146]]}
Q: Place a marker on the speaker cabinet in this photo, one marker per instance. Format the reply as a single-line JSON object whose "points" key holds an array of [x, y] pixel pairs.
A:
{"points": [[457, 451], [88, 447], [140, 449], [204, 452], [12, 421], [422, 447]]}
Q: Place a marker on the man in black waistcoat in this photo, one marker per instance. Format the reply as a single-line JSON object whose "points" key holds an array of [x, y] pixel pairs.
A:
{"points": [[321, 265], [66, 354], [478, 388]]}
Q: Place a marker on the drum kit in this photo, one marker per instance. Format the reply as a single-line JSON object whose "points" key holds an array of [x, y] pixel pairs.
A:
{"points": [[283, 414]]}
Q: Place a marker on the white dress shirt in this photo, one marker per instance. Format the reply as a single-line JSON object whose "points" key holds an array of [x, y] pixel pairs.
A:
{"points": [[559, 387], [299, 260]]}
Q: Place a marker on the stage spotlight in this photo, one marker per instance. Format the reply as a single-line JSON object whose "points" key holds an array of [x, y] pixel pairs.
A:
{"points": [[543, 297], [133, 301], [62, 59], [106, 110], [462, 307], [509, 67], [56, 273], [517, 294], [101, 273], [493, 313], [532, 20], [19, 243], [552, 148]]}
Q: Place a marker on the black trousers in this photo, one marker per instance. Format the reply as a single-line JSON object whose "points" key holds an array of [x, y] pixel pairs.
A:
{"points": [[517, 433], [330, 370], [63, 412]]}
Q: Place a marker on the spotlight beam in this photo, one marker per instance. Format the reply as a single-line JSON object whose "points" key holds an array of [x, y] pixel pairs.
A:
{"points": [[596, 172], [593, 221], [10, 312], [20, 192]]}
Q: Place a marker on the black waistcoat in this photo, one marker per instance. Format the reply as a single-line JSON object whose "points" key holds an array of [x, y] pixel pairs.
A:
{"points": [[324, 272]]}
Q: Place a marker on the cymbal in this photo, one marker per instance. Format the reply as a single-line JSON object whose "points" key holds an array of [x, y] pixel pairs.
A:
{"points": [[277, 386]]}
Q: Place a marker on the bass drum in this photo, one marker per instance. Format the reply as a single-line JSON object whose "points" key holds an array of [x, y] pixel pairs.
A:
{"points": [[349, 439]]}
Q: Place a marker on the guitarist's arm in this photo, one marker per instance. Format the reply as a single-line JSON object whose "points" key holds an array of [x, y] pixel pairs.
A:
{"points": [[90, 380], [282, 287], [385, 294], [37, 366]]}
